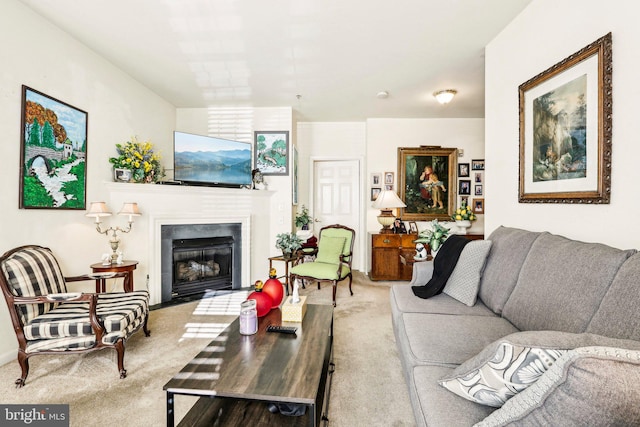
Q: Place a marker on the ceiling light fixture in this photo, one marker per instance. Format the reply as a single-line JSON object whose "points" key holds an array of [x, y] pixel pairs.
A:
{"points": [[445, 96], [382, 94]]}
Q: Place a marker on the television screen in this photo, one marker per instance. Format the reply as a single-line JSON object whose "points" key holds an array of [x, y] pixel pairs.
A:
{"points": [[207, 160]]}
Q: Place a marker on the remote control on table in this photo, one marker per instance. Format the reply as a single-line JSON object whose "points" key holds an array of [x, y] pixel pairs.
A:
{"points": [[282, 329]]}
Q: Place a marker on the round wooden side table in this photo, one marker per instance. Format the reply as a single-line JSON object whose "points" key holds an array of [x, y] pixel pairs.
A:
{"points": [[125, 267]]}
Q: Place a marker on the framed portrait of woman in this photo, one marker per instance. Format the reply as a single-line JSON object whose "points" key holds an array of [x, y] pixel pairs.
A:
{"points": [[427, 182]]}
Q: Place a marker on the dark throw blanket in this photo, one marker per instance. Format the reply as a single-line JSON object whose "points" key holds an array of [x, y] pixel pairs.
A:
{"points": [[443, 265]]}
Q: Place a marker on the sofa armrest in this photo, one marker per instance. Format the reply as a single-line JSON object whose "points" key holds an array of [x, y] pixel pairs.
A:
{"points": [[422, 272]]}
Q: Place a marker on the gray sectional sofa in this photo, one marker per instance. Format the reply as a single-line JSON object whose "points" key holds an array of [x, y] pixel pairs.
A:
{"points": [[578, 302]]}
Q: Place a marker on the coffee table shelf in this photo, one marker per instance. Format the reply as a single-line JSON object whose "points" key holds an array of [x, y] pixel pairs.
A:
{"points": [[238, 376]]}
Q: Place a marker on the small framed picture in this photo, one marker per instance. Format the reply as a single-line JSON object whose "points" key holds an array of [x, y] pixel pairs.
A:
{"points": [[478, 177], [478, 206], [376, 179], [464, 200], [388, 187], [464, 187], [399, 227], [478, 190], [375, 192], [463, 169], [477, 165], [388, 178], [413, 227]]}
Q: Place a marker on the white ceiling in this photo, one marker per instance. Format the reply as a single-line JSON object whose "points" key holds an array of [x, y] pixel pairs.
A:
{"points": [[336, 54]]}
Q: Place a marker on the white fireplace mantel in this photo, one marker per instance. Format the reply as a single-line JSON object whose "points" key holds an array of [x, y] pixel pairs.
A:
{"points": [[172, 204]]}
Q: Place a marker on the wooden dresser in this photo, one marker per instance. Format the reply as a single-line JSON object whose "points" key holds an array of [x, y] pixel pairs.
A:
{"points": [[385, 256]]}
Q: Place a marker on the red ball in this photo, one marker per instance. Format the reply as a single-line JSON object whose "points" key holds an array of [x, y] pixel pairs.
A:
{"points": [[263, 302], [273, 288]]}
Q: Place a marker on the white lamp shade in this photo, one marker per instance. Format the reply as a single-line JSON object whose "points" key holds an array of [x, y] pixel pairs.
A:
{"points": [[97, 210], [130, 208], [388, 199]]}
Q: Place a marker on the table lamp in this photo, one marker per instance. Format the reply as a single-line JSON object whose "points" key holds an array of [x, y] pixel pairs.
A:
{"points": [[98, 210], [386, 201]]}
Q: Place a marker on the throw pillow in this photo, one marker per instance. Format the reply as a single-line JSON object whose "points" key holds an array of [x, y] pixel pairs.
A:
{"points": [[330, 249], [588, 386], [511, 364], [464, 282]]}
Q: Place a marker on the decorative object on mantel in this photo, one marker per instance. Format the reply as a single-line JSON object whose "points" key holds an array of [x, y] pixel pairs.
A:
{"points": [[386, 201], [433, 236], [288, 243], [463, 217], [98, 210], [141, 161]]}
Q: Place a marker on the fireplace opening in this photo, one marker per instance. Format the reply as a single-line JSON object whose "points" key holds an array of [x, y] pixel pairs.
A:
{"points": [[202, 264]]}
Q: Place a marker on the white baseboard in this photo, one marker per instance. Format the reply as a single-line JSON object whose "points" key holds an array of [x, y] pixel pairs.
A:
{"points": [[9, 356]]}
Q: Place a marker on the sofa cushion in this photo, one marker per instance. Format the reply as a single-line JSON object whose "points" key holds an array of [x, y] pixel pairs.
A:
{"points": [[509, 248], [403, 299], [592, 386], [435, 406], [441, 339], [619, 314], [562, 283], [511, 364], [320, 270], [464, 281]]}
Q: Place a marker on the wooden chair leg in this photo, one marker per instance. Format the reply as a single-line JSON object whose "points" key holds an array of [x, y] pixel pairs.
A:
{"points": [[23, 360], [335, 286], [146, 330], [318, 285], [350, 280], [120, 350]]}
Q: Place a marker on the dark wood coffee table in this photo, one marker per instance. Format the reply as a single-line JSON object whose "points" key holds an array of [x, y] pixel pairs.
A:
{"points": [[237, 377]]}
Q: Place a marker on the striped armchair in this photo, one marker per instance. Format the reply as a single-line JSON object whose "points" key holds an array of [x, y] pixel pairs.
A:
{"points": [[49, 319]]}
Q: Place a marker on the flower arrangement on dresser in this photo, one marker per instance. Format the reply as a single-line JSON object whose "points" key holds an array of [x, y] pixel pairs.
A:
{"points": [[140, 159]]}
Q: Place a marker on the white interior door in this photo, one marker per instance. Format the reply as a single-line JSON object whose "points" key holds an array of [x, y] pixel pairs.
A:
{"points": [[336, 197]]}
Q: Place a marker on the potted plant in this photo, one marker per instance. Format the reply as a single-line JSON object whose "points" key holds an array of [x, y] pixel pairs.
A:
{"points": [[137, 162], [433, 236], [463, 217], [288, 243], [303, 219]]}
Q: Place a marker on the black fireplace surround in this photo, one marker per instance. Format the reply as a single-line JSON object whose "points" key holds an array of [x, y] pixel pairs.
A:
{"points": [[197, 258]]}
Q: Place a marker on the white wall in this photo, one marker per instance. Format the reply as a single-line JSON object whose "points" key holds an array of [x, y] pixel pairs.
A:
{"points": [[46, 59], [542, 35]]}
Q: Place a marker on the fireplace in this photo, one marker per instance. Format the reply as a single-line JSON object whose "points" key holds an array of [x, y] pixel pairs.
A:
{"points": [[197, 258], [202, 264]]}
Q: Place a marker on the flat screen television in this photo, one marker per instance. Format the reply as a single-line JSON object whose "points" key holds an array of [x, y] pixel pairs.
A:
{"points": [[206, 160]]}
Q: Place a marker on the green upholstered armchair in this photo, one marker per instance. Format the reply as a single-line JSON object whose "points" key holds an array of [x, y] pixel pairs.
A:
{"points": [[47, 319], [333, 259]]}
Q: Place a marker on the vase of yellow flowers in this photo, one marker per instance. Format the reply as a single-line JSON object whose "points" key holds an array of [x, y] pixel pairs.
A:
{"points": [[463, 217], [138, 158]]}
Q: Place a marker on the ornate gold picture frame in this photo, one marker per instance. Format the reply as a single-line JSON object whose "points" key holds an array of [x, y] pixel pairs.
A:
{"points": [[427, 182]]}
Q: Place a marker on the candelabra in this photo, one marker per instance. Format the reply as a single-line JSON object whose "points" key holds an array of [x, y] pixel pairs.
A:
{"points": [[98, 210]]}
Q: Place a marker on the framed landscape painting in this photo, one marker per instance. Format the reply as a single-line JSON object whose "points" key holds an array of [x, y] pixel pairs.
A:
{"points": [[426, 182], [271, 152], [565, 129], [53, 153]]}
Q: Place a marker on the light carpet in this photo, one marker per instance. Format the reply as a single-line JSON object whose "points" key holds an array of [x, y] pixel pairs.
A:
{"points": [[368, 385]]}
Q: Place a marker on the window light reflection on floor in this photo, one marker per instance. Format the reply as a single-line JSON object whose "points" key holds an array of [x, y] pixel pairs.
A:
{"points": [[214, 303], [221, 303]]}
